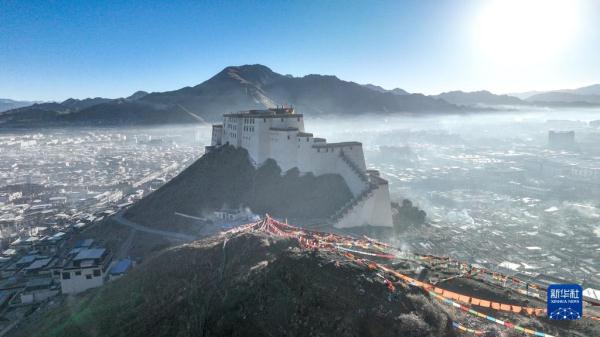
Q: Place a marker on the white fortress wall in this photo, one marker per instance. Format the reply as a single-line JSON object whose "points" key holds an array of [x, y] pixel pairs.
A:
{"points": [[382, 212], [217, 135], [279, 134], [325, 158], [284, 148], [374, 210]]}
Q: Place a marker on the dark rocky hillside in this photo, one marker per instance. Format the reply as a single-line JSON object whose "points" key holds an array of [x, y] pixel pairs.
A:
{"points": [[226, 178], [248, 284]]}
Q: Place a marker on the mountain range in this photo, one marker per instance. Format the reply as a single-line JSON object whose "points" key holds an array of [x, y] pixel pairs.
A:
{"points": [[256, 86], [232, 89], [588, 94], [9, 104], [476, 98]]}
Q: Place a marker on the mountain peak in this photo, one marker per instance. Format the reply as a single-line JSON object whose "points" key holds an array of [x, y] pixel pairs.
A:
{"points": [[255, 74], [249, 68], [395, 91], [137, 95], [246, 70]]}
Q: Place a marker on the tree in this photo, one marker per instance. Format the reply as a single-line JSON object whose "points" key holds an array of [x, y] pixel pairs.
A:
{"points": [[407, 215]]}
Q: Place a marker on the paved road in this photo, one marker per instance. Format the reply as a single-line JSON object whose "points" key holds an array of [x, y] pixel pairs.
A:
{"points": [[126, 245], [9, 327], [172, 235]]}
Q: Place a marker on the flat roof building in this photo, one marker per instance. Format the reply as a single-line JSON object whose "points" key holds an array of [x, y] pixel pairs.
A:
{"points": [[85, 268]]}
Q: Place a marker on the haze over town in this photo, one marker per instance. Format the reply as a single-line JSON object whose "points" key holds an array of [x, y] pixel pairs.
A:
{"points": [[252, 168]]}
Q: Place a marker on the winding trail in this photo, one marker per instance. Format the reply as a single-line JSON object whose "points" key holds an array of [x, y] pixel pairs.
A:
{"points": [[172, 235]]}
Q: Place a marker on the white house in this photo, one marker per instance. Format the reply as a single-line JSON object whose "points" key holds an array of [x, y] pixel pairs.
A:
{"points": [[38, 290], [279, 134], [84, 269]]}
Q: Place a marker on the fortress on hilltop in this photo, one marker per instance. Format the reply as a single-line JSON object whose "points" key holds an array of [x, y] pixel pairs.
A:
{"points": [[279, 134]]}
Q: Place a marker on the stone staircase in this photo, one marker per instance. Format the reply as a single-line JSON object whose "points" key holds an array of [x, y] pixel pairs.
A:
{"points": [[346, 208], [354, 167], [365, 194]]}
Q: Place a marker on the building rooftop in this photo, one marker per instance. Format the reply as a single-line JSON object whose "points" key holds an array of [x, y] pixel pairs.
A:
{"points": [[266, 113], [39, 283], [84, 243], [592, 293], [38, 264], [9, 252], [342, 144], [121, 266], [89, 254], [27, 259]]}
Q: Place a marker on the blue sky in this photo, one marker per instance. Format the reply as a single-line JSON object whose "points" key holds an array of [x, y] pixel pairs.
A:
{"points": [[52, 50]]}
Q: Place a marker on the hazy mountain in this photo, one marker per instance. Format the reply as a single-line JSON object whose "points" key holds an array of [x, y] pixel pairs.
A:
{"points": [[257, 86], [8, 104], [96, 111], [232, 89], [128, 112], [588, 94], [564, 97], [80, 104], [479, 98], [396, 91], [525, 94], [593, 89], [137, 95]]}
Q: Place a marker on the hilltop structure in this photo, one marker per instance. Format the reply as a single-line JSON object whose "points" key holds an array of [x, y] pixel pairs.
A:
{"points": [[279, 134]]}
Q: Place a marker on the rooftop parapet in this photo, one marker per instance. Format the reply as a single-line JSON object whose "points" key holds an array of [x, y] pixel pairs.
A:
{"points": [[266, 113], [342, 144]]}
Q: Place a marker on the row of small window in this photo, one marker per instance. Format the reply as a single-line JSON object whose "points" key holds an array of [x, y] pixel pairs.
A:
{"points": [[282, 119], [251, 120], [231, 126], [232, 135], [249, 128], [67, 275]]}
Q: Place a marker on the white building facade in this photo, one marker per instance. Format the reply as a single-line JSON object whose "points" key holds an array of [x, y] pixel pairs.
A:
{"points": [[279, 134], [86, 270]]}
